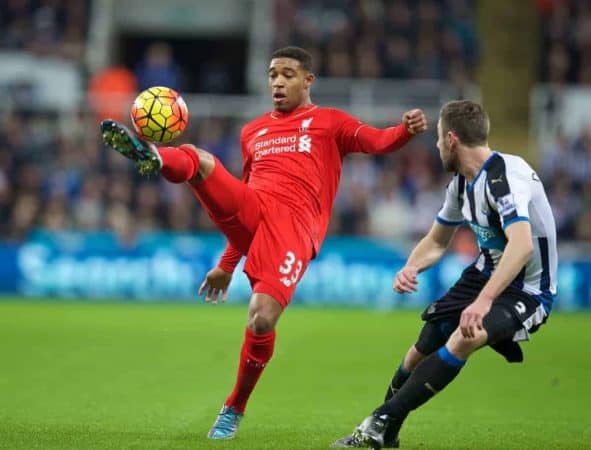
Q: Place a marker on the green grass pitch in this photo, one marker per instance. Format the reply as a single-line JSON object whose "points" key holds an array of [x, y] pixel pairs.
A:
{"points": [[127, 376]]}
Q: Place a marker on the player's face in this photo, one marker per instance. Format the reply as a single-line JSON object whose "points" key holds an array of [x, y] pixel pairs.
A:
{"points": [[446, 145], [289, 84]]}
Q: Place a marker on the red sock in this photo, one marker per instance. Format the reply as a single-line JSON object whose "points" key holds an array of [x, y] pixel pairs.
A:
{"points": [[256, 352], [179, 164]]}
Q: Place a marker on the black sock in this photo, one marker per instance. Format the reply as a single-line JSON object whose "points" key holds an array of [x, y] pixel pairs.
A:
{"points": [[429, 377], [400, 376]]}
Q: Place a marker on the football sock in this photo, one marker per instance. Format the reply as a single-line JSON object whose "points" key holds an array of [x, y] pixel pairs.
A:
{"points": [[429, 377], [179, 164], [400, 376], [222, 194], [256, 352]]}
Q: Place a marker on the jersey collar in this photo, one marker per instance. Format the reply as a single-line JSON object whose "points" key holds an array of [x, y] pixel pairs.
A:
{"points": [[302, 109], [470, 186]]}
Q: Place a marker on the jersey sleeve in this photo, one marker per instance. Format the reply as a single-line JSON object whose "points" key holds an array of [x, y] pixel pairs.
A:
{"points": [[354, 136], [450, 213], [511, 194], [230, 259], [246, 159]]}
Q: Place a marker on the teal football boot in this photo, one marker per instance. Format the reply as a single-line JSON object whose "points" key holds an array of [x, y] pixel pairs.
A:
{"points": [[124, 141], [226, 425]]}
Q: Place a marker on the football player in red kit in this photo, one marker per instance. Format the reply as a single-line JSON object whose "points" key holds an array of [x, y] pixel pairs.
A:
{"points": [[278, 214]]}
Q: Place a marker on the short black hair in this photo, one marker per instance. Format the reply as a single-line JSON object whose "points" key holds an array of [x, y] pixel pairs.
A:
{"points": [[467, 119], [297, 53]]}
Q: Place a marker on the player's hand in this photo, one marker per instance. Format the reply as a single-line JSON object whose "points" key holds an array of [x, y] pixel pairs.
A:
{"points": [[405, 281], [216, 282], [415, 121], [471, 318]]}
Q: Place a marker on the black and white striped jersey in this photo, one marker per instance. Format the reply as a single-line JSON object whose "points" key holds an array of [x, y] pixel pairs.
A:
{"points": [[507, 190]]}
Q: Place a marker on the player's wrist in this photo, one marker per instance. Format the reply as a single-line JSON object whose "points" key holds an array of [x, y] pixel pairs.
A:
{"points": [[413, 267], [406, 130], [484, 298], [226, 266]]}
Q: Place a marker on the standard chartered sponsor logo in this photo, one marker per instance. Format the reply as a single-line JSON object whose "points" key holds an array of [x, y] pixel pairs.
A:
{"points": [[280, 144], [283, 144], [275, 141]]}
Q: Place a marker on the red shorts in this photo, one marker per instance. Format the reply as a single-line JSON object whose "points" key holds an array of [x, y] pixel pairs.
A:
{"points": [[277, 248], [279, 254]]}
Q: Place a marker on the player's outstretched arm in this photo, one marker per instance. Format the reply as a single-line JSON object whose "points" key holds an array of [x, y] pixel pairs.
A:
{"points": [[427, 252], [216, 285], [354, 136]]}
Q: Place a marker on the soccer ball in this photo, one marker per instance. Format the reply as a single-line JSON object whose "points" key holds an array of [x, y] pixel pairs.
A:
{"points": [[159, 114]]}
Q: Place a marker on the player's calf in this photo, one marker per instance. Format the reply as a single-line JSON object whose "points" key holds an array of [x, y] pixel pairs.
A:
{"points": [[462, 347]]}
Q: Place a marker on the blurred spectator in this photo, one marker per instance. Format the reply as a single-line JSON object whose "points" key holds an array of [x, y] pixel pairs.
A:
{"points": [[88, 208], [215, 77], [158, 68], [389, 207], [111, 91], [428, 199], [397, 58], [564, 205], [583, 230]]}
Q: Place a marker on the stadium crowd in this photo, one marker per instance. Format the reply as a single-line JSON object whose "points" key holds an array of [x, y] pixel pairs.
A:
{"points": [[566, 164], [54, 173], [52, 28], [433, 39]]}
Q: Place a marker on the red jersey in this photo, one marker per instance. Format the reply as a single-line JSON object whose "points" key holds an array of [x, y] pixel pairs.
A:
{"points": [[296, 158]]}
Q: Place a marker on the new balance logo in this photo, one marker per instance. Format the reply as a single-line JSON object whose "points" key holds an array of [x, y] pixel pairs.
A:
{"points": [[262, 132], [305, 144]]}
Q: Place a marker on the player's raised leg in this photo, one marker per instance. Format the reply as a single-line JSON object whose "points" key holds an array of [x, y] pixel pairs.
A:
{"points": [[176, 164], [222, 195]]}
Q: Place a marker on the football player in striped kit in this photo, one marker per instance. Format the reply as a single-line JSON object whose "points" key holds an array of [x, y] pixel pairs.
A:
{"points": [[505, 295]]}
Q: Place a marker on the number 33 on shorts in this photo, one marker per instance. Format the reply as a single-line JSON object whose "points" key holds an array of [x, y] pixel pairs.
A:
{"points": [[290, 269]]}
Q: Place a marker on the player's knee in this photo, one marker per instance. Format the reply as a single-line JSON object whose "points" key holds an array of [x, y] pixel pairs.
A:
{"points": [[206, 160], [413, 357], [462, 346], [262, 322], [431, 337], [263, 313]]}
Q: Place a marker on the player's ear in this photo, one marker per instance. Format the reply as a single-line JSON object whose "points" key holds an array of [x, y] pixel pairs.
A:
{"points": [[452, 139], [309, 78]]}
